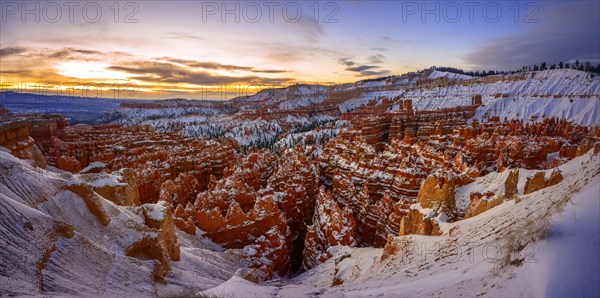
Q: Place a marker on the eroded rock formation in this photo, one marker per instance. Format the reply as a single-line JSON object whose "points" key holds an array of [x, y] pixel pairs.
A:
{"points": [[359, 174], [295, 182], [155, 157], [479, 203], [511, 184], [538, 181], [438, 194], [419, 221], [332, 227], [392, 170], [14, 136], [120, 187], [162, 245]]}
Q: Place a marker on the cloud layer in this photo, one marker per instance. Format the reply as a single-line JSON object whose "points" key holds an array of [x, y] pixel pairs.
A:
{"points": [[365, 70], [564, 33], [41, 65]]}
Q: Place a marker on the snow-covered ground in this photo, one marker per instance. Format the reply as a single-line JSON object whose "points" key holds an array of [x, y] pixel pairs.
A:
{"points": [[567, 262], [466, 260], [254, 132], [39, 258], [564, 93], [584, 111], [436, 74]]}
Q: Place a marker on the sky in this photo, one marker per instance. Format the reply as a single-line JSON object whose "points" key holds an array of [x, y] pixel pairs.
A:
{"points": [[187, 49]]}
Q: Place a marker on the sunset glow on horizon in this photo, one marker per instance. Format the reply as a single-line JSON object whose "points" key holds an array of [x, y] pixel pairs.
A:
{"points": [[173, 49]]}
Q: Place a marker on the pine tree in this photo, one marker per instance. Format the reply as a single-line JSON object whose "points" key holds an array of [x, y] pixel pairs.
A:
{"points": [[561, 65]]}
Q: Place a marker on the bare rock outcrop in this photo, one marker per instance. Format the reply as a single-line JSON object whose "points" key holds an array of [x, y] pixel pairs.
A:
{"points": [[555, 178], [332, 227], [163, 245], [155, 157], [14, 136], [535, 182], [438, 194], [419, 221], [92, 200], [181, 191], [268, 254], [185, 218], [590, 142], [238, 215], [119, 188], [538, 181], [480, 203], [295, 182], [511, 184], [159, 216]]}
